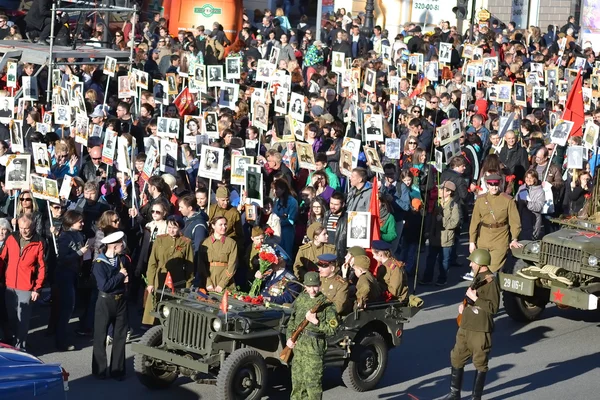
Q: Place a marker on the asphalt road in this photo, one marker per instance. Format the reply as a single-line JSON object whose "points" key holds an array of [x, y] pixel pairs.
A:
{"points": [[555, 357]]}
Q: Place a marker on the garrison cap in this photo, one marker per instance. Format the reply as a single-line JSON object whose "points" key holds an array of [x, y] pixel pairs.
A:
{"points": [[357, 251], [222, 193], [310, 232], [380, 245], [257, 231], [325, 260], [312, 279], [362, 262]]}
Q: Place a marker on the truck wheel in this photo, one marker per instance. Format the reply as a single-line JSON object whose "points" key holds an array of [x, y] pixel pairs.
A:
{"points": [[243, 376], [152, 377], [367, 365], [521, 309]]}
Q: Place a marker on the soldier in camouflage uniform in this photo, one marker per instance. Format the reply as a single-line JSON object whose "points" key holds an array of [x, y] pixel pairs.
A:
{"points": [[367, 287], [218, 258], [333, 286], [307, 257], [309, 349], [390, 272], [474, 337]]}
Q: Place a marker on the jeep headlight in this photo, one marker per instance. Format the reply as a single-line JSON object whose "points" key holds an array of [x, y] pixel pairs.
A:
{"points": [[216, 324], [165, 311], [593, 261], [535, 248]]}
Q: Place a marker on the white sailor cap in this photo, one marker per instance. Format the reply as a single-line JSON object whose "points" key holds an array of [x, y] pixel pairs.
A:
{"points": [[113, 237]]}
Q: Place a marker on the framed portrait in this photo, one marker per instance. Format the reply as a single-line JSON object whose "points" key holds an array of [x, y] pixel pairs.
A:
{"points": [[250, 212], [238, 168], [109, 147], [191, 128], [538, 70], [36, 185], [370, 80], [41, 158], [253, 185], [151, 157], [373, 128], [432, 70], [274, 56], [373, 159], [228, 95], [438, 160], [504, 92], [386, 54], [30, 88], [413, 64], [96, 131], [168, 127], [7, 108], [490, 68], [359, 229], [477, 53], [42, 128], [297, 106], [520, 94], [110, 66], [306, 156], [467, 51], [62, 115], [538, 99], [506, 123], [200, 75], [575, 157], [81, 129], [11, 74], [211, 162], [445, 54], [233, 67], [337, 61], [590, 137], [443, 134], [471, 76], [346, 162], [211, 126], [297, 128], [281, 100], [215, 75], [17, 172], [352, 145], [141, 79], [168, 156], [124, 87], [260, 116], [561, 131], [264, 70], [392, 148]]}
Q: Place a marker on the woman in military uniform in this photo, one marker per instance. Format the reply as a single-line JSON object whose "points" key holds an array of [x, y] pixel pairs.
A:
{"points": [[495, 220], [309, 349], [171, 253], [307, 257], [474, 336], [218, 257], [390, 272]]}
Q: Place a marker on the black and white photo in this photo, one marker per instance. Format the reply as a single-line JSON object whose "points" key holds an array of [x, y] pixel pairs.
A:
{"points": [[297, 106], [238, 168], [561, 131], [30, 88], [168, 156], [260, 116], [539, 97], [392, 148], [264, 70], [233, 67], [7, 107], [359, 229], [373, 159], [281, 96], [17, 172], [16, 136], [228, 95], [575, 157], [374, 128], [110, 66], [215, 75], [211, 127], [41, 158], [253, 185], [168, 127], [306, 156], [445, 54], [211, 162]]}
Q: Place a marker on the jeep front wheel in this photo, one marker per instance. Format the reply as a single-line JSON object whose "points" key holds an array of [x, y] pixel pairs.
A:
{"points": [[367, 365], [243, 376], [149, 374], [522, 309]]}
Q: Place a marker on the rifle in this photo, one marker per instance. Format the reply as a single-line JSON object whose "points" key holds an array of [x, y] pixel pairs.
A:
{"points": [[466, 299], [287, 352]]}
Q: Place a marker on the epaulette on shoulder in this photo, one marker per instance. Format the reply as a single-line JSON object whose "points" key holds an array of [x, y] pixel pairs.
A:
{"points": [[338, 278], [305, 246], [506, 195], [163, 235]]}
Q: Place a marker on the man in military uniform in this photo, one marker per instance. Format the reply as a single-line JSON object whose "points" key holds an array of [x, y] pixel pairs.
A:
{"points": [[332, 285], [234, 221], [367, 287], [495, 219], [309, 349], [307, 257], [474, 337], [280, 285], [17, 174], [390, 272]]}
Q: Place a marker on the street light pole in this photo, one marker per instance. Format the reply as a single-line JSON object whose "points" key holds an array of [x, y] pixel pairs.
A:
{"points": [[368, 25]]}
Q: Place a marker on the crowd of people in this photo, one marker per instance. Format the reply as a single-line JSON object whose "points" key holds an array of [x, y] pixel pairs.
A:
{"points": [[123, 230]]}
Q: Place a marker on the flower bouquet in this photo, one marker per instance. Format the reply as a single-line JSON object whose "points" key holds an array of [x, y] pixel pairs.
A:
{"points": [[266, 258]]}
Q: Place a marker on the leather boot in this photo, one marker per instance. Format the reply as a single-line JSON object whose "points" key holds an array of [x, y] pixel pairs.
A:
{"points": [[456, 378], [478, 385]]}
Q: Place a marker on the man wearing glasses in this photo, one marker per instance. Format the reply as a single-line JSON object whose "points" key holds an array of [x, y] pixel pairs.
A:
{"points": [[93, 170], [495, 215]]}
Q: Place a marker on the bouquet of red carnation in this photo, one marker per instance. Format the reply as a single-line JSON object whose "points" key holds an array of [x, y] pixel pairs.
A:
{"points": [[510, 178], [415, 172], [266, 258], [269, 231]]}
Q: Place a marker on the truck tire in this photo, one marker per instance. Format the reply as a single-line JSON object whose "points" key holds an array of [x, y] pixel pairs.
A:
{"points": [[243, 376], [367, 365], [149, 376], [521, 309]]}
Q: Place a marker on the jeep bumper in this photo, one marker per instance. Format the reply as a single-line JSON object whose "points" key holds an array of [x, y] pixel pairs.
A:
{"points": [[516, 284], [170, 358], [573, 298]]}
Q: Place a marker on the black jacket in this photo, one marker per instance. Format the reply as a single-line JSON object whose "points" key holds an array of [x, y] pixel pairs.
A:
{"points": [[38, 12], [340, 235], [342, 47], [462, 191], [515, 160]]}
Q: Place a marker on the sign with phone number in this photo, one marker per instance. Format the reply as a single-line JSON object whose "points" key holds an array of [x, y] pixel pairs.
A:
{"points": [[432, 11]]}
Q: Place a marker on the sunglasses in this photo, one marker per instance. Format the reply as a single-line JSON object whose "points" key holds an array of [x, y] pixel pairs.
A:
{"points": [[412, 142], [96, 158], [57, 207], [416, 111], [25, 199], [156, 212], [116, 221]]}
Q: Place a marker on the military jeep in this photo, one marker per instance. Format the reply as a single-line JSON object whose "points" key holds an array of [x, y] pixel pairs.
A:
{"points": [[234, 351], [562, 268]]}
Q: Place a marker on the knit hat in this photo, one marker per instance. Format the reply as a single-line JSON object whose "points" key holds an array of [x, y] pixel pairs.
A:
{"points": [[310, 232], [222, 193], [257, 231]]}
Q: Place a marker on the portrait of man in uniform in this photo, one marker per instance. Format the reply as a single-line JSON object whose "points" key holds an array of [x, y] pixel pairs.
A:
{"points": [[16, 172], [6, 107], [253, 185], [211, 122]]}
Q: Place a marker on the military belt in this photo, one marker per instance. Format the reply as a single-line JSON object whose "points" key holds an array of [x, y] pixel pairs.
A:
{"points": [[496, 225], [315, 335], [218, 264], [116, 297]]}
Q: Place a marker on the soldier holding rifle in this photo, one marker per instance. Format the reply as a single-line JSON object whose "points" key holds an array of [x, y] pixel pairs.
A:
{"points": [[310, 343]]}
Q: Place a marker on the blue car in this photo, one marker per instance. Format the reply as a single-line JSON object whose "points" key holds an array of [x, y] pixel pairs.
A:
{"points": [[23, 377]]}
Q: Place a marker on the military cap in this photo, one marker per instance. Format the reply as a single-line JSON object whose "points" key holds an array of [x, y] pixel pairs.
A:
{"points": [[222, 193], [177, 220], [17, 161], [481, 257], [310, 232], [493, 177], [380, 245], [326, 259], [281, 253], [448, 185], [113, 237], [355, 251], [257, 231], [312, 279], [362, 262]]}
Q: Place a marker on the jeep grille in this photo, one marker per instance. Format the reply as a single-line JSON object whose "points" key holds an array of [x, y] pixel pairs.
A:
{"points": [[561, 256], [187, 328]]}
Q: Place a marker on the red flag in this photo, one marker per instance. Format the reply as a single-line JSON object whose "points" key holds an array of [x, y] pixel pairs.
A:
{"points": [[374, 210], [185, 103], [225, 302], [574, 107], [420, 88], [169, 282]]}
